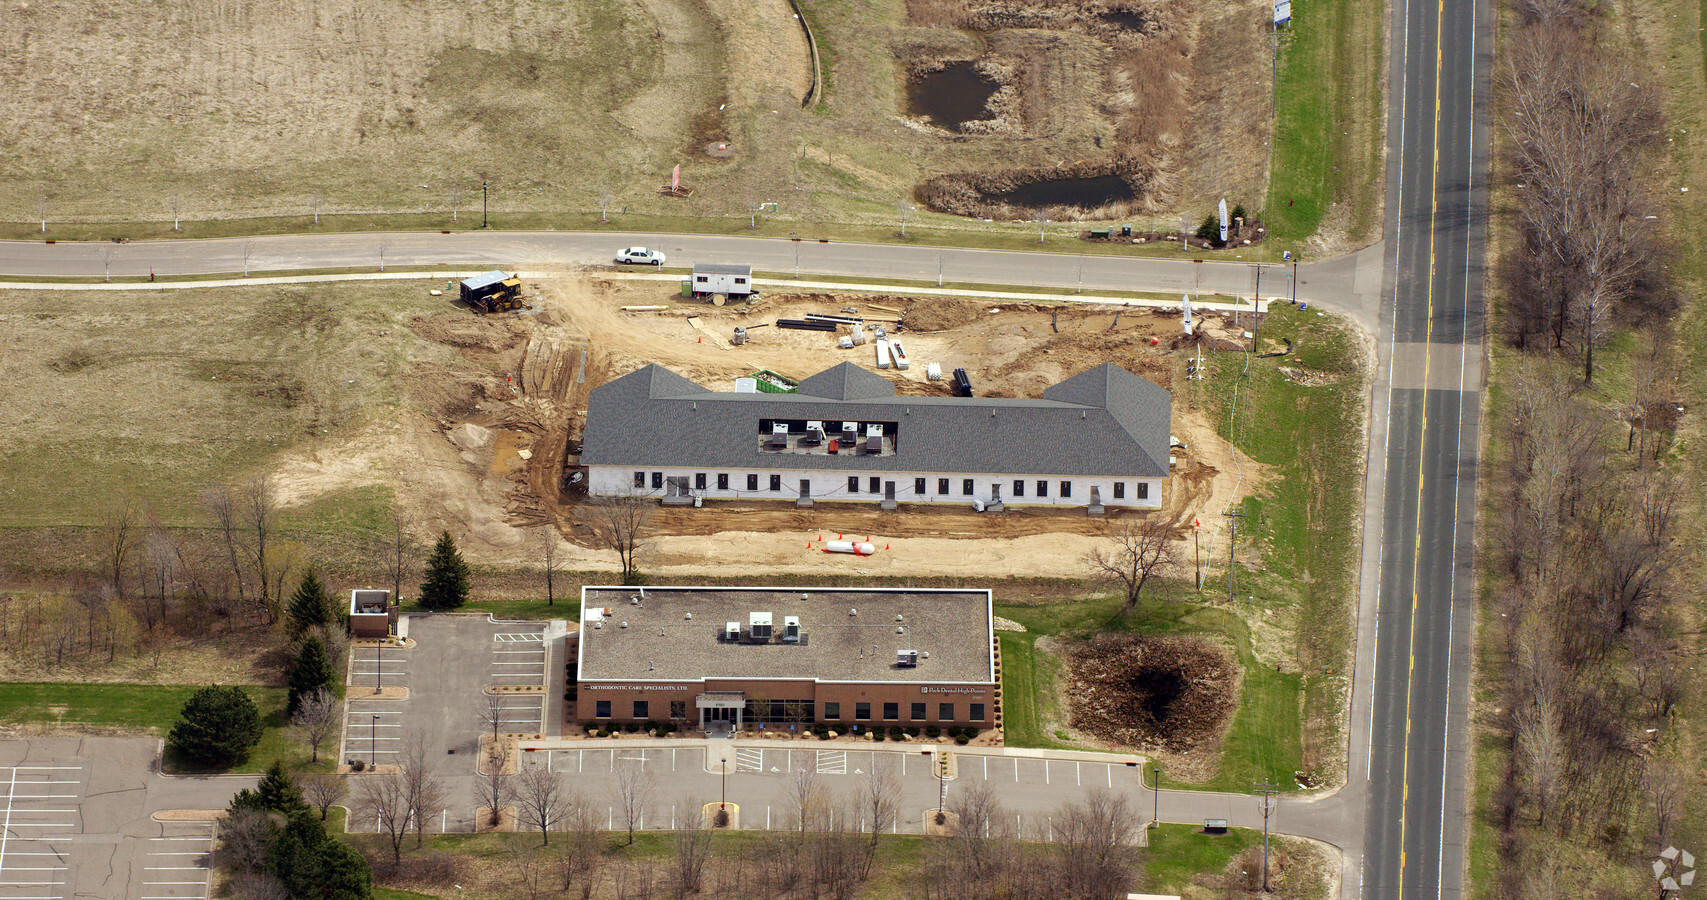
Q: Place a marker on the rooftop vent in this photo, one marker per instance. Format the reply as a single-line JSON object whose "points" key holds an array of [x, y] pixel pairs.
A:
{"points": [[900, 629], [689, 617], [625, 624], [907, 659], [897, 617]]}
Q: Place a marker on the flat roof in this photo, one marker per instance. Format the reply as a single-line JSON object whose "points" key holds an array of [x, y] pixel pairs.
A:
{"points": [[662, 644]]}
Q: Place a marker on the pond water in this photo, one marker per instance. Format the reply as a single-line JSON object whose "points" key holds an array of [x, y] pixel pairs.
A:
{"points": [[1085, 193], [952, 96]]}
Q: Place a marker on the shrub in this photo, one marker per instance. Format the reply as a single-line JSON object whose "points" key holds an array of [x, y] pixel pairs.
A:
{"points": [[218, 727], [894, 732], [912, 731], [962, 739], [631, 727], [931, 731], [876, 735]]}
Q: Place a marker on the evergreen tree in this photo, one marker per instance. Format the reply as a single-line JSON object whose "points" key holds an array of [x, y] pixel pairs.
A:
{"points": [[312, 671], [218, 727], [278, 792], [446, 586], [311, 605], [311, 863]]}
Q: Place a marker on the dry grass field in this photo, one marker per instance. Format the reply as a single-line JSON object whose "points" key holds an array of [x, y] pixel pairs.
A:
{"points": [[241, 109]]}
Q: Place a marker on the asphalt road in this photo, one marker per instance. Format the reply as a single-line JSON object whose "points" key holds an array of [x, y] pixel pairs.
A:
{"points": [[1417, 600], [1346, 284]]}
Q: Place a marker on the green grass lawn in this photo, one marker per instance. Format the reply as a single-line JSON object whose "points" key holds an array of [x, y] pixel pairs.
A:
{"points": [[1179, 853], [150, 709]]}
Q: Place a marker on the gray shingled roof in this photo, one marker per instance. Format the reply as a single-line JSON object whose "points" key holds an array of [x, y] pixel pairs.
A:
{"points": [[1103, 422]]}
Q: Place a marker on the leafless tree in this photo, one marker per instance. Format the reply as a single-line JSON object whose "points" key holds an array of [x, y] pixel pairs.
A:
{"points": [[107, 264], [41, 211], [177, 211], [530, 867], [580, 852], [621, 522], [455, 200], [548, 538], [905, 212], [879, 802], [402, 555], [1096, 854], [244, 838], [541, 801], [317, 719], [163, 557], [1142, 548], [632, 788], [384, 798], [120, 529], [322, 790], [808, 799], [259, 886], [606, 198], [248, 248], [221, 503], [426, 794], [382, 256], [259, 508], [979, 824], [489, 710], [692, 848], [495, 788]]}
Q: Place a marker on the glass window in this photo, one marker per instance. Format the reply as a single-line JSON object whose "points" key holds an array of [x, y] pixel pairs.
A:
{"points": [[776, 482], [723, 481], [1019, 488], [699, 279], [1143, 490], [639, 479], [966, 487], [942, 485], [862, 711], [678, 709], [876, 485], [891, 712], [1042, 488], [977, 712], [642, 709], [917, 712], [699, 481], [832, 711], [752, 482], [919, 486], [740, 280], [945, 712], [853, 484], [601, 709], [657, 480], [1066, 489], [1119, 490]]}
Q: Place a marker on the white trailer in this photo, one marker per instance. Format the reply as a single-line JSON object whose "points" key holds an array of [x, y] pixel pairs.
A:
{"points": [[715, 278]]}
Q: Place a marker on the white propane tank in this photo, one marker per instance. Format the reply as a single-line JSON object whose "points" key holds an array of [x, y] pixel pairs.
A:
{"points": [[933, 372], [857, 548]]}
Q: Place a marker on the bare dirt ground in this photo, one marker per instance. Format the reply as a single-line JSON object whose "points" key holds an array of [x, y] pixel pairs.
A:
{"points": [[217, 110], [457, 461]]}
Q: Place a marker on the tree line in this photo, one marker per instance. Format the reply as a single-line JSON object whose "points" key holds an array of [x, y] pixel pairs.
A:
{"points": [[1587, 560]]}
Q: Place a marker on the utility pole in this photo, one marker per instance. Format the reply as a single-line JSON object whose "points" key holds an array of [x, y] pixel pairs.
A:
{"points": [[1197, 549], [795, 237], [1295, 283], [1266, 802], [483, 221], [1233, 516]]}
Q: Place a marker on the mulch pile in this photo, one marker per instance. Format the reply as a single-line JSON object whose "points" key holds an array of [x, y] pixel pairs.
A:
{"points": [[1172, 694]]}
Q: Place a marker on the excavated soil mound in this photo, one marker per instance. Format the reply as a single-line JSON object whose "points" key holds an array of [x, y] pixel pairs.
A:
{"points": [[1170, 694]]}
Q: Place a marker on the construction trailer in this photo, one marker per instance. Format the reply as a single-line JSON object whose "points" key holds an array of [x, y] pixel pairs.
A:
{"points": [[714, 279], [494, 291]]}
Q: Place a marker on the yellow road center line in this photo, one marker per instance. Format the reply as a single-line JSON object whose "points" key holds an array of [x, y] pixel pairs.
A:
{"points": [[1428, 337]]}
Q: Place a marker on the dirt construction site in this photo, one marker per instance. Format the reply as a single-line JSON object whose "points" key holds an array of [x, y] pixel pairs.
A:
{"points": [[490, 451]]}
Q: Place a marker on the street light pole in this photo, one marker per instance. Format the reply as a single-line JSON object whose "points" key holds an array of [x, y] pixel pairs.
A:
{"points": [[373, 741], [483, 221], [795, 237], [1156, 792]]}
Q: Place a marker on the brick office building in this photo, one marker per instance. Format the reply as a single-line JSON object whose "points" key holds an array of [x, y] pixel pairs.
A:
{"points": [[719, 658]]}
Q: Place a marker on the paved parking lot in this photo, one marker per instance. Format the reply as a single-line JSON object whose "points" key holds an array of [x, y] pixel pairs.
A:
{"points": [[77, 820]]}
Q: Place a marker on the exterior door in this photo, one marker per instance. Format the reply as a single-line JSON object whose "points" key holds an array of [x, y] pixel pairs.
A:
{"points": [[806, 488]]}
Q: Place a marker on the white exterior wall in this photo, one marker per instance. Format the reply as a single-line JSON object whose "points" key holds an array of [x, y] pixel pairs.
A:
{"points": [[830, 485]]}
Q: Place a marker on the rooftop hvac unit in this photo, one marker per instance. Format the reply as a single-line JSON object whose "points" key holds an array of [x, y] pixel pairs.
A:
{"points": [[731, 631], [791, 629], [779, 428], [874, 429], [759, 626], [850, 427], [814, 426], [907, 659]]}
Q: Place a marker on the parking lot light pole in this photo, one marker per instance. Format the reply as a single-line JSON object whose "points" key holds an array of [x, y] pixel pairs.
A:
{"points": [[1156, 810], [373, 740], [379, 662]]}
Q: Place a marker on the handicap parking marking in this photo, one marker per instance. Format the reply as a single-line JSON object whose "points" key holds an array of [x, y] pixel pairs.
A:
{"points": [[749, 759], [832, 762]]}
